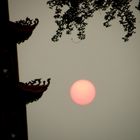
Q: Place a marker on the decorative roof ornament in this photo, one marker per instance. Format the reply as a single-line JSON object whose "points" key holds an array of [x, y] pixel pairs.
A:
{"points": [[33, 90], [21, 30], [78, 11]]}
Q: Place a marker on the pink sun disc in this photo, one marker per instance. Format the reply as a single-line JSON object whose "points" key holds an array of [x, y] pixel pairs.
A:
{"points": [[82, 92]]}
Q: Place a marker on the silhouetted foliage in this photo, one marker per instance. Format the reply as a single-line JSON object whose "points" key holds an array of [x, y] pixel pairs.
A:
{"points": [[71, 14], [138, 7]]}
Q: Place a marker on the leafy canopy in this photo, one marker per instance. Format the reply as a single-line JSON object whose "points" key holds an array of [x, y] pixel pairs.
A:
{"points": [[78, 11]]}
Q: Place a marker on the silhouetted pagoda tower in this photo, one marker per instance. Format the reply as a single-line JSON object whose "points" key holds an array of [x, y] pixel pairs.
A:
{"points": [[15, 94]]}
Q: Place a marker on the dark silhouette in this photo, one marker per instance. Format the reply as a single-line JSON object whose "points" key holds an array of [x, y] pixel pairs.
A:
{"points": [[33, 90], [21, 30], [80, 10], [15, 94], [138, 7]]}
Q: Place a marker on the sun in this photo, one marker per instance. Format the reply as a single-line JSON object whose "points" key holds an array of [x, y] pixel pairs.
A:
{"points": [[82, 92]]}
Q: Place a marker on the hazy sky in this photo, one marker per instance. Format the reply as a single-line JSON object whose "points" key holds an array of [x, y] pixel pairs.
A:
{"points": [[103, 58]]}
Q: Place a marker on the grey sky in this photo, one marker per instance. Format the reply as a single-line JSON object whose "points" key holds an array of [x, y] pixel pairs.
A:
{"points": [[112, 65]]}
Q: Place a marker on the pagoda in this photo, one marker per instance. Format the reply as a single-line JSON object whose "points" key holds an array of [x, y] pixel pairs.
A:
{"points": [[15, 95]]}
